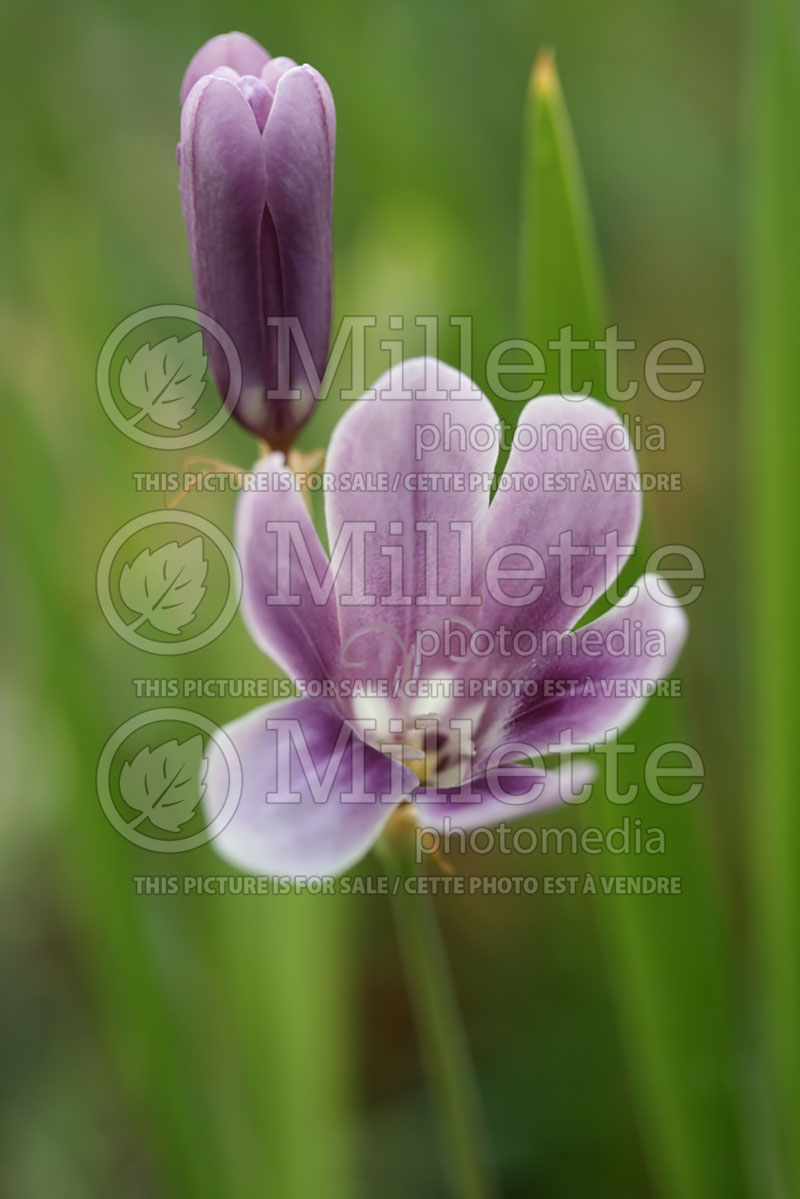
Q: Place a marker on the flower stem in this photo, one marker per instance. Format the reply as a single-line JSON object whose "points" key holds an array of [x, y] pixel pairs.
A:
{"points": [[445, 1051]]}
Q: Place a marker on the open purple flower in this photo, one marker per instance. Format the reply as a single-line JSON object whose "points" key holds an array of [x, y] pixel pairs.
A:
{"points": [[256, 176], [432, 642]]}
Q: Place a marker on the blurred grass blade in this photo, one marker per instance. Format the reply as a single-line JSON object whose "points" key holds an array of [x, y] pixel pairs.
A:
{"points": [[225, 1020], [286, 959], [561, 281], [668, 956], [772, 421]]}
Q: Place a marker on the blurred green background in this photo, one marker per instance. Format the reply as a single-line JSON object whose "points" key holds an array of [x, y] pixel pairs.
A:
{"points": [[193, 1046]]}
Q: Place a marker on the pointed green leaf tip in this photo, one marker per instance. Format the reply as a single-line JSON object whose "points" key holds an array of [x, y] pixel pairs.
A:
{"points": [[561, 280], [544, 77]]}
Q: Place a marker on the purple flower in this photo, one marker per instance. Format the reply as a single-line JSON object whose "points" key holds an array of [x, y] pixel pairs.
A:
{"points": [[256, 175], [433, 642]]}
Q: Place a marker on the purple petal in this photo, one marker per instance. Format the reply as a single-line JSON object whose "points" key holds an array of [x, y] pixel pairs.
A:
{"points": [[223, 189], [286, 619], [416, 567], [487, 800], [314, 795], [234, 50], [298, 147], [271, 73], [258, 96], [608, 666], [600, 502]]}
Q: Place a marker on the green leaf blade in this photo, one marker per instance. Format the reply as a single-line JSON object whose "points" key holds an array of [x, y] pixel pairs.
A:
{"points": [[670, 971], [561, 278], [772, 432]]}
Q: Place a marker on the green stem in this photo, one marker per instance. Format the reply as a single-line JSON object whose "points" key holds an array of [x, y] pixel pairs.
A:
{"points": [[445, 1051]]}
